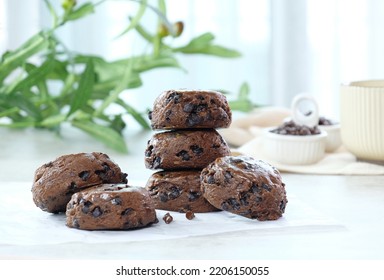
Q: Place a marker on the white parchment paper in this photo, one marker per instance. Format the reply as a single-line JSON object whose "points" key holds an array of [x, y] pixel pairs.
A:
{"points": [[22, 223]]}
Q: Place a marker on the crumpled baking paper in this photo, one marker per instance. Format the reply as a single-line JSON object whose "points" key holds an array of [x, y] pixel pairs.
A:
{"points": [[22, 223]]}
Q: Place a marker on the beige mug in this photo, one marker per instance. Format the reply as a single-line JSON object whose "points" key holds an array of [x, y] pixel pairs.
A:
{"points": [[362, 119]]}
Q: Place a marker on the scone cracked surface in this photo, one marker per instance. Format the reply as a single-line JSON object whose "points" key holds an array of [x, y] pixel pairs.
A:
{"points": [[184, 149], [184, 109], [245, 186], [178, 191], [111, 207], [56, 181]]}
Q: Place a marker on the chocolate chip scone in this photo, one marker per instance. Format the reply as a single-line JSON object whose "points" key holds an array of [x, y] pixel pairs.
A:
{"points": [[111, 207], [184, 149], [184, 109], [55, 182], [244, 186], [178, 191]]}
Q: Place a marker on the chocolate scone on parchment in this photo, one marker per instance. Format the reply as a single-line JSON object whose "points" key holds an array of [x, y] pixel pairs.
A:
{"points": [[184, 149], [185, 109], [111, 207], [178, 191], [244, 186], [55, 182]]}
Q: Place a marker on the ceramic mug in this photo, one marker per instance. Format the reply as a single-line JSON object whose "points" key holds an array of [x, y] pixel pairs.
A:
{"points": [[362, 119]]}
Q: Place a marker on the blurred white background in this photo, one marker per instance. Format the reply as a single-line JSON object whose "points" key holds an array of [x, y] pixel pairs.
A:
{"points": [[287, 47]]}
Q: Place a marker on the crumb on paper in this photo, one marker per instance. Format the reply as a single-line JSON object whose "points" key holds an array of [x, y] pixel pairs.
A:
{"points": [[168, 218], [189, 215]]}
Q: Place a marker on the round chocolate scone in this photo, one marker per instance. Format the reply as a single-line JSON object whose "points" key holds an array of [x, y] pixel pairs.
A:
{"points": [[183, 109], [111, 207], [244, 186], [178, 191], [56, 181], [184, 149]]}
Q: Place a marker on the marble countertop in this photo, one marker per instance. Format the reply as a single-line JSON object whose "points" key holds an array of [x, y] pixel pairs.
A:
{"points": [[354, 204]]}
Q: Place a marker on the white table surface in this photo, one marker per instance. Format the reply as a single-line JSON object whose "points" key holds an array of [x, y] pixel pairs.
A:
{"points": [[356, 203]]}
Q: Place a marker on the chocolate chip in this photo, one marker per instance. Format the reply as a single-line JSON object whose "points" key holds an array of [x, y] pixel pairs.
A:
{"points": [[116, 201], [324, 121], [211, 179], [201, 107], [234, 160], [266, 187], [282, 206], [167, 218], [156, 162], [228, 175], [192, 196], [196, 149], [255, 188], [163, 197], [103, 173], [189, 215], [174, 192], [75, 223], [194, 119], [87, 204], [188, 108], [84, 175], [123, 178], [244, 198], [127, 211], [173, 96], [167, 114], [97, 212], [291, 128], [148, 151], [184, 155], [72, 186], [230, 203], [150, 115]]}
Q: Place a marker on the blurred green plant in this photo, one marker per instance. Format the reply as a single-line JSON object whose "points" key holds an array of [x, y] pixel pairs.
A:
{"points": [[89, 84]]}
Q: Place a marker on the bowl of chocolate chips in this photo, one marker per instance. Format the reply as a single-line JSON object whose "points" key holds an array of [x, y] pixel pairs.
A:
{"points": [[333, 130], [299, 141]]}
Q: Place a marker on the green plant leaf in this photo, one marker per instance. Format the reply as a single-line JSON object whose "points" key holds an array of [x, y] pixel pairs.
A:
{"points": [[136, 19], [203, 45], [244, 91], [35, 75], [120, 86], [25, 103], [52, 12], [82, 11], [84, 89], [197, 43], [7, 112], [54, 120], [219, 51], [136, 115], [14, 59], [150, 62], [59, 70], [240, 105], [144, 33], [107, 135]]}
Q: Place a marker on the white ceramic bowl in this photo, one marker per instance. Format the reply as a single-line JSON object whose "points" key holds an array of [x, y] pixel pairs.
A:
{"points": [[334, 137], [362, 119], [294, 149]]}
